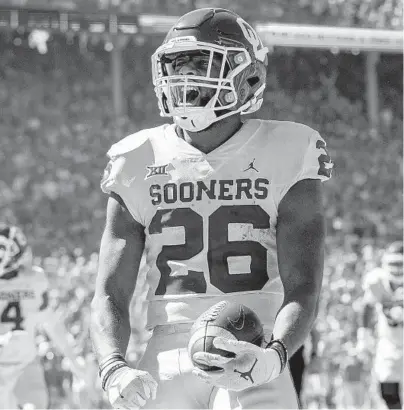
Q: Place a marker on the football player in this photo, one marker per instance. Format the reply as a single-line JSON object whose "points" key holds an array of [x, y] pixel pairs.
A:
{"points": [[23, 307], [222, 209], [383, 304]]}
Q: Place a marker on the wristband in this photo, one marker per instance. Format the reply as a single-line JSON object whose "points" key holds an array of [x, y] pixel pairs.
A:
{"points": [[282, 351], [110, 371], [108, 360], [281, 356]]}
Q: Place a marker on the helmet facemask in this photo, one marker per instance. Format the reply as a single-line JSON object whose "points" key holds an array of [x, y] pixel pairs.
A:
{"points": [[203, 96], [14, 251]]}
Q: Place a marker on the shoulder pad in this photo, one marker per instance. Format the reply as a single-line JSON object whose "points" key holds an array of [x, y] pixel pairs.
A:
{"points": [[128, 160], [298, 152], [289, 129], [133, 141], [286, 137], [310, 151]]}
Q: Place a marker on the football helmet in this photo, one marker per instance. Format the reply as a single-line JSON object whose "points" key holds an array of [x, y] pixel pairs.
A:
{"points": [[392, 261], [14, 250], [229, 75]]}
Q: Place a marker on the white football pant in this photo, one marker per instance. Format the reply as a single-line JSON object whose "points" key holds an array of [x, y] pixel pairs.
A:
{"points": [[166, 359]]}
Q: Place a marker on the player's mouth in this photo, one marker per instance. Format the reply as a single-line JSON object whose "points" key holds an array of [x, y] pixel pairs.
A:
{"points": [[192, 96]]}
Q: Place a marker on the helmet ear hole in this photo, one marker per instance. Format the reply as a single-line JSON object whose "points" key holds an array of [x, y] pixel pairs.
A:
{"points": [[252, 81]]}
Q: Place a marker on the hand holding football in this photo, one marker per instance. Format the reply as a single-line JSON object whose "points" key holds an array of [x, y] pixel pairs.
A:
{"points": [[226, 319]]}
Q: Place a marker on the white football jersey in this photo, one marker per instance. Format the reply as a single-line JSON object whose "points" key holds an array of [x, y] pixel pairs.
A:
{"points": [[21, 298], [210, 219], [388, 302]]}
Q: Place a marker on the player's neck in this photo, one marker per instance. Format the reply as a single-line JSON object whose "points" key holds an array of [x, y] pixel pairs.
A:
{"points": [[214, 136]]}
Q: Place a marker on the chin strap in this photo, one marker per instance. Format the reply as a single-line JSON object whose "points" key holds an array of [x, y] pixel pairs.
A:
{"points": [[196, 122], [200, 121]]}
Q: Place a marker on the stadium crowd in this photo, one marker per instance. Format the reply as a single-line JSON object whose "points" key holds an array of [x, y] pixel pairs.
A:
{"points": [[57, 123]]}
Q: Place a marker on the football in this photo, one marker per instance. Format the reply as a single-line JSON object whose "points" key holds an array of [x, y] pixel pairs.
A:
{"points": [[226, 319]]}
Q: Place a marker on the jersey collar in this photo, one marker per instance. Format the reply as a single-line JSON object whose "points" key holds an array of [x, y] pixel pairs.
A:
{"points": [[229, 148]]}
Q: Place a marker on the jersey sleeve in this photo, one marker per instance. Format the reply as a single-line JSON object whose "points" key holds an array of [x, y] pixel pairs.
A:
{"points": [[117, 178], [317, 163], [307, 158], [126, 170]]}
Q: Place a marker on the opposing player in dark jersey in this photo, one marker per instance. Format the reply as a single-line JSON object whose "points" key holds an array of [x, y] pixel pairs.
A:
{"points": [[220, 208]]}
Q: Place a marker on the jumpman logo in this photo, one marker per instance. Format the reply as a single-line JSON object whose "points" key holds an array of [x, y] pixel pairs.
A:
{"points": [[251, 166], [247, 375]]}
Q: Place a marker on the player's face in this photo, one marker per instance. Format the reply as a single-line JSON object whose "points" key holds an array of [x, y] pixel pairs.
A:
{"points": [[195, 63]]}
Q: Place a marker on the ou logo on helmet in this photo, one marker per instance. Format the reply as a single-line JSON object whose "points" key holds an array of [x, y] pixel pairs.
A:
{"points": [[251, 35]]}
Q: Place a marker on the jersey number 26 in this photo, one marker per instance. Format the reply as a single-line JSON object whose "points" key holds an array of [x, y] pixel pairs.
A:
{"points": [[218, 252]]}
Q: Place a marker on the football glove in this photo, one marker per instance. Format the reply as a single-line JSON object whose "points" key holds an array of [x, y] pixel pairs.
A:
{"points": [[251, 366], [129, 388]]}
